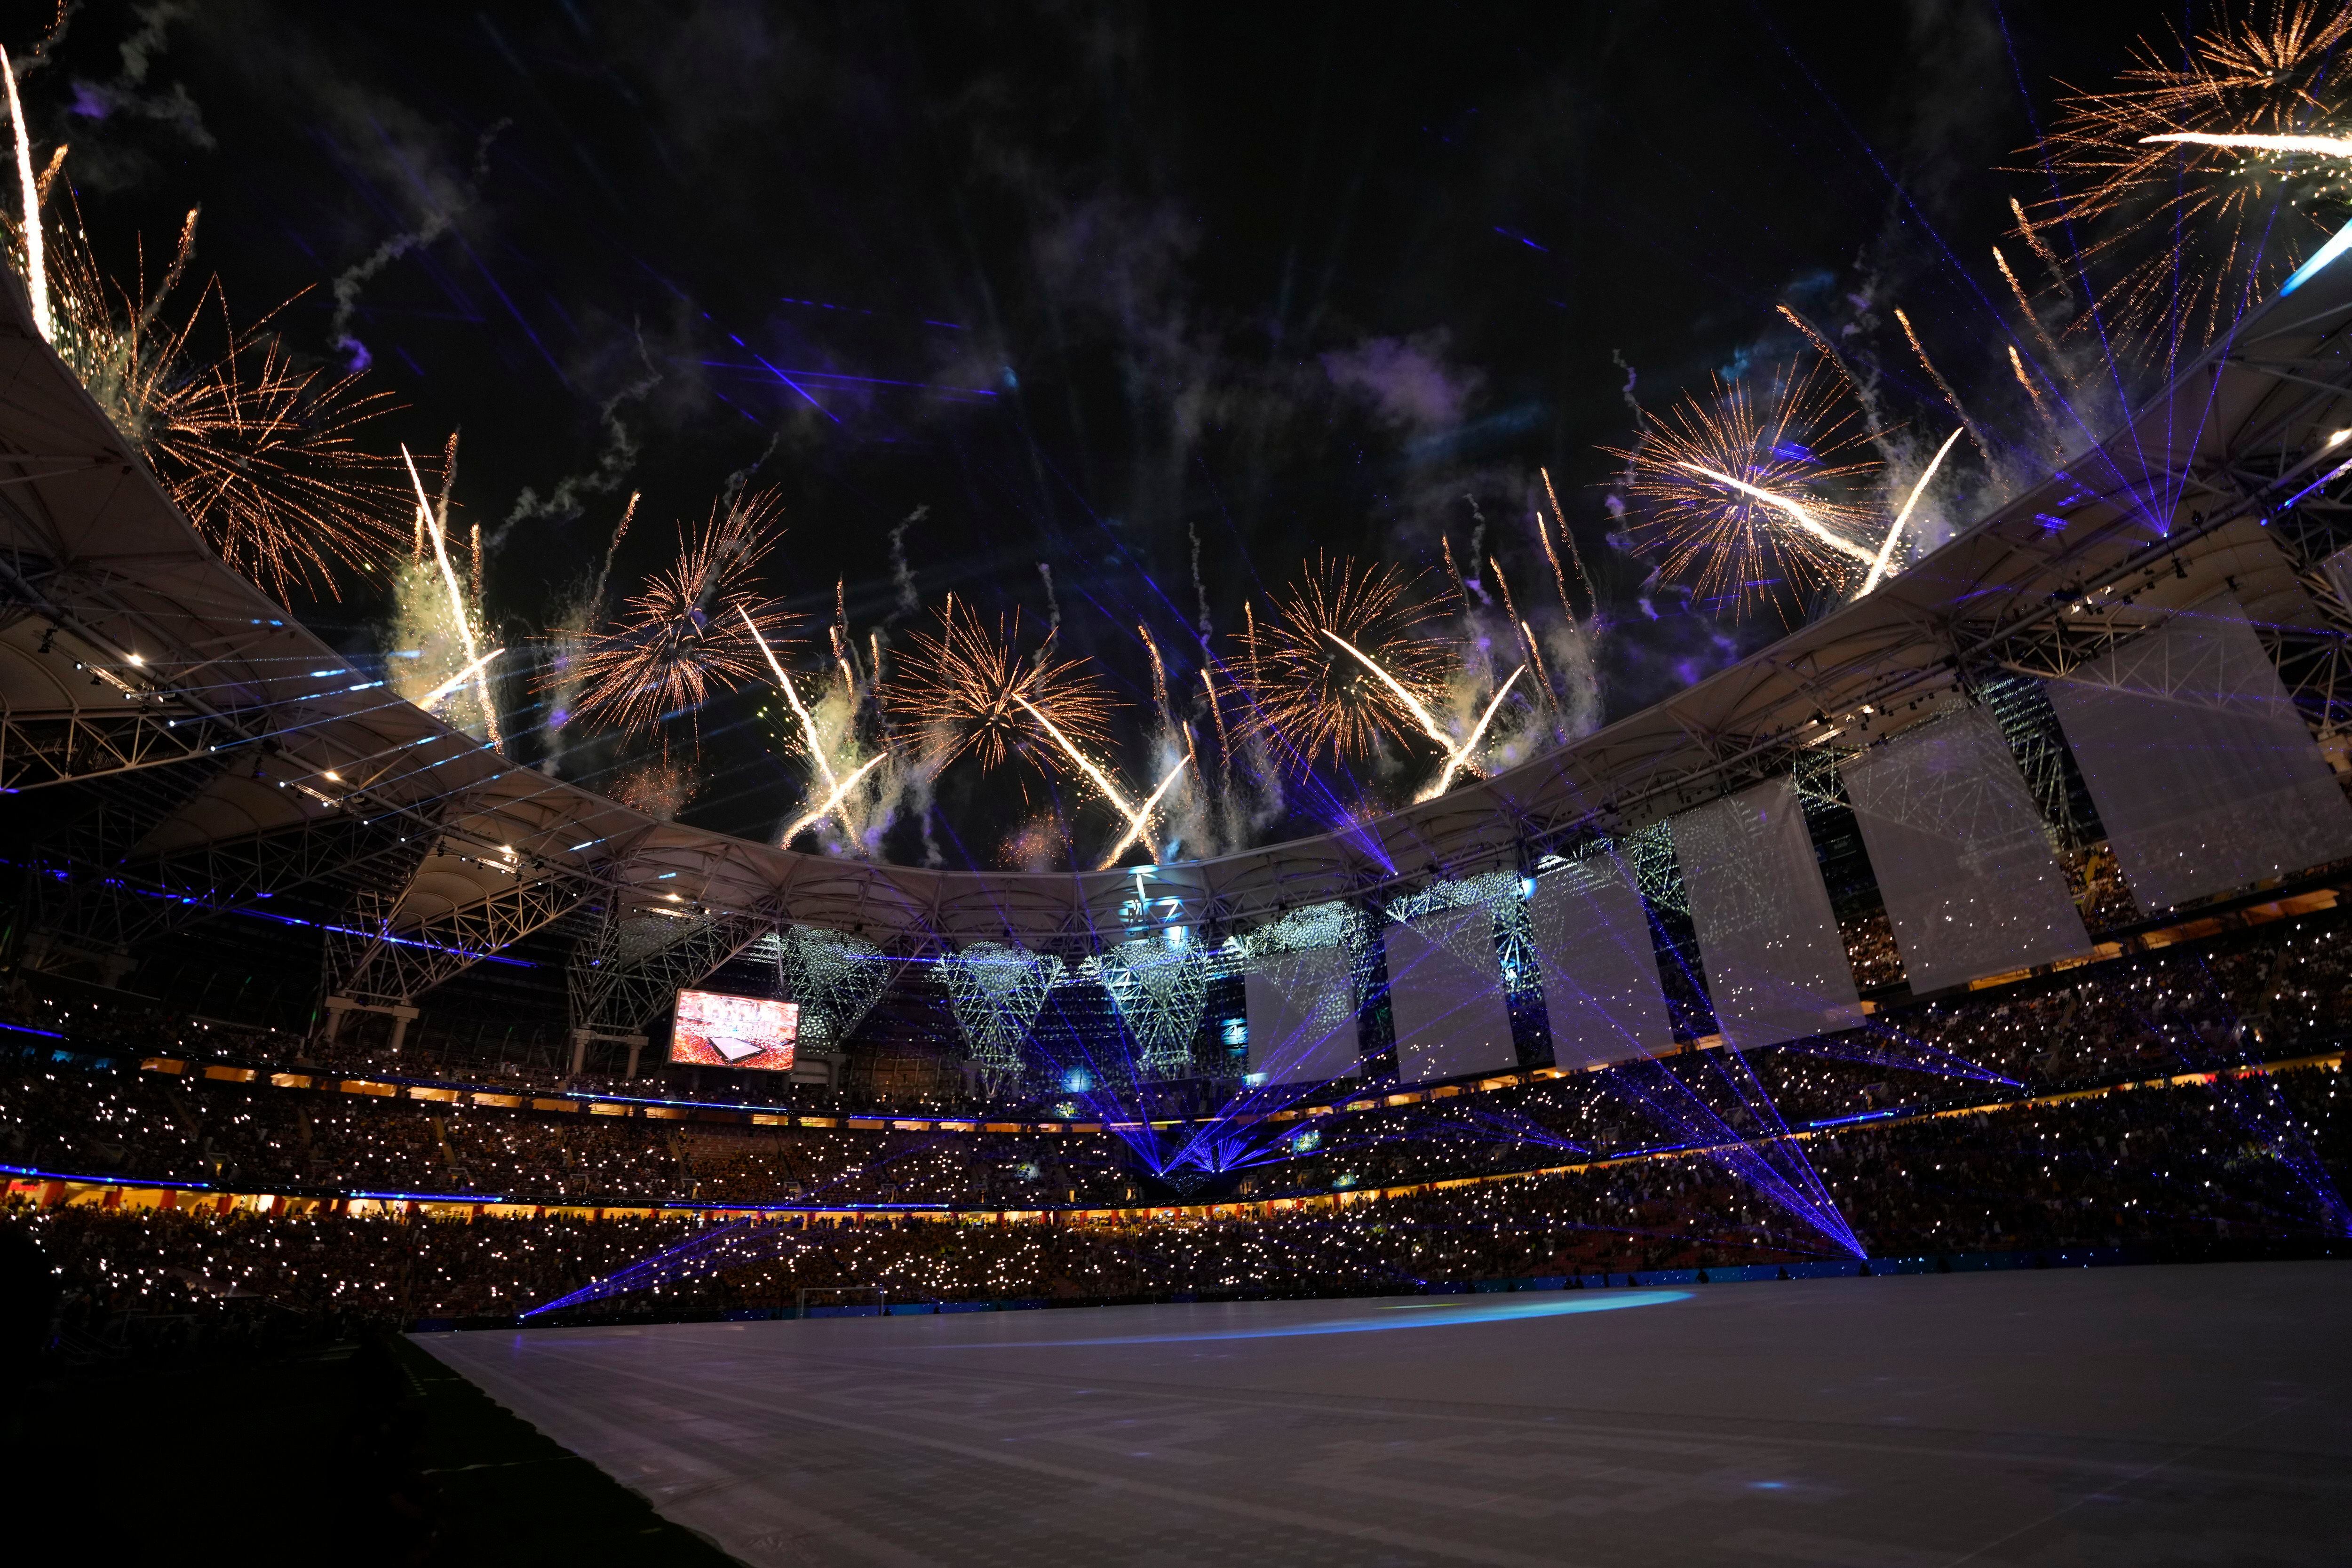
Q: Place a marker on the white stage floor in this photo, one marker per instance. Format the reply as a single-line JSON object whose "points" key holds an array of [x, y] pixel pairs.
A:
{"points": [[2112, 1417]]}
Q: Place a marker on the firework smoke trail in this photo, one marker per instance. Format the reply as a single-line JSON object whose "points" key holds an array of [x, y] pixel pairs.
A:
{"points": [[902, 577], [611, 549], [833, 801], [352, 278], [1569, 535], [37, 271], [1199, 583], [1053, 604], [1943, 386], [1794, 509], [1886, 549], [1139, 822]]}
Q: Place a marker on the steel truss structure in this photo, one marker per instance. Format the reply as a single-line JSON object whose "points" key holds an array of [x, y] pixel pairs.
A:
{"points": [[240, 755]]}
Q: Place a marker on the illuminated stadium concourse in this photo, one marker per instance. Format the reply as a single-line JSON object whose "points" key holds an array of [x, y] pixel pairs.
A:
{"points": [[646, 852]]}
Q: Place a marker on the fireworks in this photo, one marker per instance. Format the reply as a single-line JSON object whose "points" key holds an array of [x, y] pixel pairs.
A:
{"points": [[1894, 531], [696, 627], [973, 692], [261, 454], [1348, 659], [1744, 492], [2192, 190]]}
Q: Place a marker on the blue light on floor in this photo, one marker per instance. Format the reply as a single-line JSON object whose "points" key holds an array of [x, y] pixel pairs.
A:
{"points": [[1424, 1315]]}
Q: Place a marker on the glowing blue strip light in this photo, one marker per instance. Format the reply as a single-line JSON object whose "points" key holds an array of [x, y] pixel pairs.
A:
{"points": [[33, 1172], [28, 1029], [1863, 1116], [1423, 1318], [2311, 268]]}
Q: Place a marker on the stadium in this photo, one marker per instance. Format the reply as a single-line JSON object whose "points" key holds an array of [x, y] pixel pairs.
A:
{"points": [[1876, 1101]]}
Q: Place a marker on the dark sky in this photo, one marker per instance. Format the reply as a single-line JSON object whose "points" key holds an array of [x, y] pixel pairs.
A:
{"points": [[1090, 284]]}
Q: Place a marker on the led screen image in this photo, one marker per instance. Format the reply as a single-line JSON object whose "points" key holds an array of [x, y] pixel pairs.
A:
{"points": [[714, 1030]]}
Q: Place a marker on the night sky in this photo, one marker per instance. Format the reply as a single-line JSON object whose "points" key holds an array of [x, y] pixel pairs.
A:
{"points": [[1112, 288]]}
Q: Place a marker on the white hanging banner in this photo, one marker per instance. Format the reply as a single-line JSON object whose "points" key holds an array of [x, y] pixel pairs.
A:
{"points": [[1446, 995], [2205, 776], [1958, 845], [1302, 1015], [1600, 967], [1776, 967]]}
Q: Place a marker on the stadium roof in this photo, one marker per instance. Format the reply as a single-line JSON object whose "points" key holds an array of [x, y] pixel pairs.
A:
{"points": [[130, 651]]}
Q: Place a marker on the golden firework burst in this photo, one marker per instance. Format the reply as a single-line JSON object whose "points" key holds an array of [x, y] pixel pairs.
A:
{"points": [[1310, 662], [1746, 492], [2190, 192], [689, 634], [968, 689]]}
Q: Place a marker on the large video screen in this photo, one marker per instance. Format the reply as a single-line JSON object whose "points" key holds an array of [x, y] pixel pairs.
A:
{"points": [[715, 1030]]}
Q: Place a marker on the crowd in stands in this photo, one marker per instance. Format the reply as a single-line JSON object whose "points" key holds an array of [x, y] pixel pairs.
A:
{"points": [[2204, 1149], [2232, 1161]]}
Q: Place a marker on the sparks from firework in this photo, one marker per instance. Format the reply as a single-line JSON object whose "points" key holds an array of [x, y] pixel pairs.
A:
{"points": [[973, 692], [833, 801], [679, 641], [1083, 764], [1217, 712], [1743, 493], [460, 610], [2325, 146], [1887, 547], [1139, 823], [1347, 659], [1796, 511], [2024, 306], [1942, 385], [458, 679], [2041, 409], [37, 271], [815, 743], [1511, 610], [262, 458], [1458, 757], [2190, 189]]}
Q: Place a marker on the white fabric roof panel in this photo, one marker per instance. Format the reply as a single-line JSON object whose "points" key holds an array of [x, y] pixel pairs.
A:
{"points": [[1599, 966], [2205, 776], [1776, 967], [1958, 845], [1445, 996], [1302, 1015]]}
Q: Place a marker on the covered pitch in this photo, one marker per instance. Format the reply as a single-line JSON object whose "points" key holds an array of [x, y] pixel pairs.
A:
{"points": [[2127, 1415]]}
